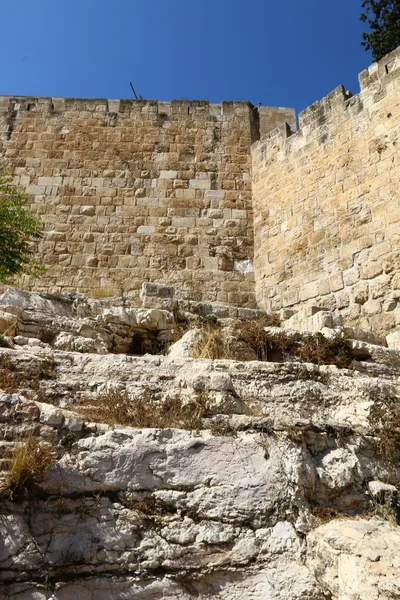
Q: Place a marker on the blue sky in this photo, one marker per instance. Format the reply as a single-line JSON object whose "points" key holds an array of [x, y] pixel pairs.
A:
{"points": [[278, 53]]}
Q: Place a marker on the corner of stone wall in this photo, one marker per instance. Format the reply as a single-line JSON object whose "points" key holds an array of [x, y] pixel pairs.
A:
{"points": [[326, 204], [381, 73], [373, 83]]}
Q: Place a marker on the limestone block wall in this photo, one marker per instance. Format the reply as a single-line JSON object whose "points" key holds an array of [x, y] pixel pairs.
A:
{"points": [[134, 191], [327, 204], [272, 117]]}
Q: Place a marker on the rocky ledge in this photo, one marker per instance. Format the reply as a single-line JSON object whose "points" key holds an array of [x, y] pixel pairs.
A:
{"points": [[284, 487]]}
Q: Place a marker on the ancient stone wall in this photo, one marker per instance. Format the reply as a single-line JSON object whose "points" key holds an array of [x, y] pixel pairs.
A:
{"points": [[134, 191], [327, 204]]}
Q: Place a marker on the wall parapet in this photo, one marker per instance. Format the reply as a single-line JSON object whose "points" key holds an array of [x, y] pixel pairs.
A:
{"points": [[339, 103], [200, 108]]}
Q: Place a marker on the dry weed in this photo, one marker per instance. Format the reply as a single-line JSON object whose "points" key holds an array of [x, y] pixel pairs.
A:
{"points": [[385, 419], [151, 507], [383, 512], [10, 380], [313, 348], [253, 334], [222, 427], [324, 515], [320, 350], [18, 379], [212, 343], [116, 408], [28, 464]]}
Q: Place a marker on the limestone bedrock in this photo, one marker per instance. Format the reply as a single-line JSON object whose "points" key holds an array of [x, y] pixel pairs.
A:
{"points": [[217, 513]]}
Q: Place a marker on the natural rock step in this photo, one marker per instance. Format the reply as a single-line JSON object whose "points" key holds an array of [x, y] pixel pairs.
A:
{"points": [[4, 465], [6, 449], [14, 433]]}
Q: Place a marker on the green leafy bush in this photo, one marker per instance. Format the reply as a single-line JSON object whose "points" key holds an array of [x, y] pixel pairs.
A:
{"points": [[17, 228]]}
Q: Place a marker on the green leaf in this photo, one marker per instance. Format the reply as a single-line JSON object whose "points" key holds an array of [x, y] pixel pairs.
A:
{"points": [[18, 227], [384, 25]]}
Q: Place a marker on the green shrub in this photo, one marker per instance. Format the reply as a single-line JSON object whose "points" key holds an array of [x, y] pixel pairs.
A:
{"points": [[17, 227]]}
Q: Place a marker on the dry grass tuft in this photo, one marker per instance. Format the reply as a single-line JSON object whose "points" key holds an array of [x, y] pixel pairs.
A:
{"points": [[10, 381], [324, 515], [222, 427], [116, 408], [313, 348], [270, 346], [152, 508], [385, 419], [212, 342], [29, 462], [320, 350], [383, 512], [253, 334]]}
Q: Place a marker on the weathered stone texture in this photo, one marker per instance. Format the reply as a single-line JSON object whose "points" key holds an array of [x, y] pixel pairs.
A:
{"points": [[165, 193], [271, 118], [134, 191], [233, 509], [327, 204]]}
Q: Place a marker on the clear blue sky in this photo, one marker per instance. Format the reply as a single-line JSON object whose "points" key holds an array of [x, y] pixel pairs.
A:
{"points": [[279, 53]]}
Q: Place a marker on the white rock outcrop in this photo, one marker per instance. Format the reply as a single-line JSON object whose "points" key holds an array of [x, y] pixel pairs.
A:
{"points": [[231, 510], [356, 560]]}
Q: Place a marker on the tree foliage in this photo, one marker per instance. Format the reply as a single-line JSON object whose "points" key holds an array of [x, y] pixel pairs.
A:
{"points": [[18, 227], [383, 18]]}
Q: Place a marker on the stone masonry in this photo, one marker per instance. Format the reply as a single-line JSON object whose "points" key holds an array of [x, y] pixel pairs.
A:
{"points": [[165, 193], [134, 191], [327, 204]]}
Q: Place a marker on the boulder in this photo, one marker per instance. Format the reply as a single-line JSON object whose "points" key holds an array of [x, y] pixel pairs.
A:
{"points": [[154, 319], [393, 340], [184, 347], [356, 559], [75, 343]]}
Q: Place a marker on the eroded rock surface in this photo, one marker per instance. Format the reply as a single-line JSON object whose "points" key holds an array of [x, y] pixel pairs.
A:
{"points": [[356, 559], [223, 513]]}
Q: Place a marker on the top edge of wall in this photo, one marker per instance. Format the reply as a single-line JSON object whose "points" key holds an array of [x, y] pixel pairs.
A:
{"points": [[375, 77], [26, 103]]}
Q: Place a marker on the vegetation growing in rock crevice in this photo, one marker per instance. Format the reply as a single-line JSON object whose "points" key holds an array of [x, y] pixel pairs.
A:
{"points": [[26, 378], [29, 462], [314, 348], [212, 342], [267, 345], [117, 408], [385, 419]]}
